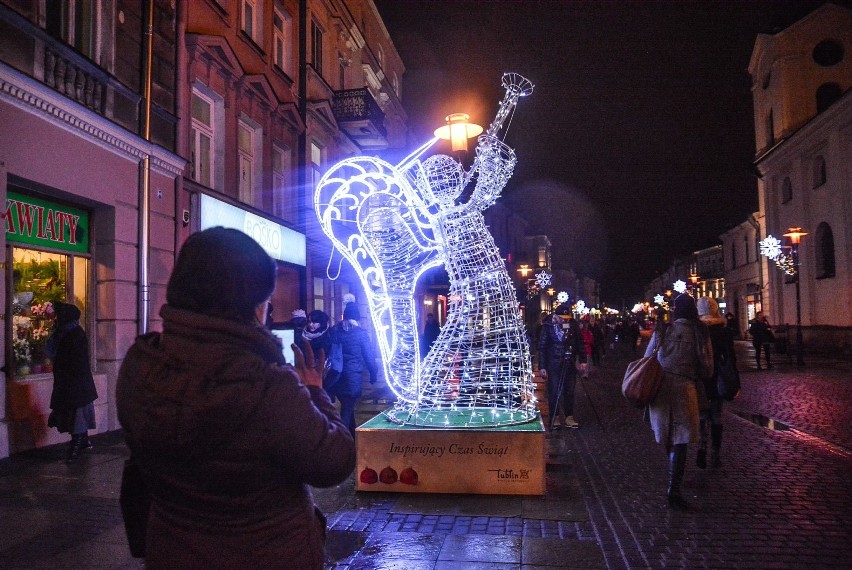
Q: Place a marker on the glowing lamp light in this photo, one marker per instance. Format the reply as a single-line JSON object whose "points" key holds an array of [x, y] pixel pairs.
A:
{"points": [[524, 270], [457, 130], [795, 235]]}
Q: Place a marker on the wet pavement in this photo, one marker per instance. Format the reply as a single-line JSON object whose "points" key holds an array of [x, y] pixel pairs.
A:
{"points": [[782, 498]]}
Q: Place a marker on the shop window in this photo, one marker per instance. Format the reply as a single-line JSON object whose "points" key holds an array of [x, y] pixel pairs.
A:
{"points": [[39, 280]]}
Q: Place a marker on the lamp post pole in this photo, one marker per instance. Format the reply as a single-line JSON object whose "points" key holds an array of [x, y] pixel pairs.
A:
{"points": [[796, 235]]}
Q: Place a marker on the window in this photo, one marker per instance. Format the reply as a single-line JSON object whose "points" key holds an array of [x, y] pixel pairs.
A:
{"points": [[75, 22], [828, 53], [316, 47], [316, 164], [344, 63], [248, 149], [283, 204], [201, 142], [319, 294], [542, 256], [786, 191], [826, 95], [825, 266], [281, 31], [819, 172], [770, 129], [251, 20], [40, 279]]}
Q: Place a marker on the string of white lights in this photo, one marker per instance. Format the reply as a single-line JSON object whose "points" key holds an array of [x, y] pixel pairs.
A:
{"points": [[392, 224]]}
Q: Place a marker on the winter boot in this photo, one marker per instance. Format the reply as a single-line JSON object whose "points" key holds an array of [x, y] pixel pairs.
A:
{"points": [[74, 448], [716, 441], [677, 466]]}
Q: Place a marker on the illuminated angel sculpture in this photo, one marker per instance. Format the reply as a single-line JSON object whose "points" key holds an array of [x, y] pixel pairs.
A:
{"points": [[392, 223]]}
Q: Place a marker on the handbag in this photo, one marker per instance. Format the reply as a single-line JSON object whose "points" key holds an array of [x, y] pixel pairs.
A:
{"points": [[643, 378], [135, 500], [727, 378]]}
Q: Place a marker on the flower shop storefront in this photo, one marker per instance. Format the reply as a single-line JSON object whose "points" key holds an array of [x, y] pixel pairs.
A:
{"points": [[48, 257]]}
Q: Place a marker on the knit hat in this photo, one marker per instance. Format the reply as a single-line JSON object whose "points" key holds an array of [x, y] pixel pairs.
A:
{"points": [[707, 306], [684, 307], [221, 272], [351, 312]]}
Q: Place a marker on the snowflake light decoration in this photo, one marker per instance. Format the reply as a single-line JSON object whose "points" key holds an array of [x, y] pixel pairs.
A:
{"points": [[770, 247], [392, 223], [562, 297], [679, 286], [659, 299], [543, 279]]}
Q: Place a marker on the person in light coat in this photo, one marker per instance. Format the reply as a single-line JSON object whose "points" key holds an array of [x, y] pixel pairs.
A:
{"points": [[686, 356]]}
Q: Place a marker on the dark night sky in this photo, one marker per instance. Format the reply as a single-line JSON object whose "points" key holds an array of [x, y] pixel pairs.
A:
{"points": [[636, 145]]}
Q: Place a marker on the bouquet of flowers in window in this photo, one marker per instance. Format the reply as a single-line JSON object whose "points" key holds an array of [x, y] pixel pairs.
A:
{"points": [[21, 349], [38, 345], [42, 311]]}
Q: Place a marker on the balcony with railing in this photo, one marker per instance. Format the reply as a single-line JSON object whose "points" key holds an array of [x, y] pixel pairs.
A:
{"points": [[360, 116], [34, 52]]}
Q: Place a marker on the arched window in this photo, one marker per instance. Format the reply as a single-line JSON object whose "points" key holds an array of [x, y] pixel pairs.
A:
{"points": [[786, 191], [826, 95], [819, 172], [824, 251]]}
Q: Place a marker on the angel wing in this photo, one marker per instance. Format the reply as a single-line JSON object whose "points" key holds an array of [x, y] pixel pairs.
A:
{"points": [[385, 229]]}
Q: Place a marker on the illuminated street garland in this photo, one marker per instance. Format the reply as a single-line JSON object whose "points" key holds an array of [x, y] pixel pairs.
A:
{"points": [[771, 247], [392, 223]]}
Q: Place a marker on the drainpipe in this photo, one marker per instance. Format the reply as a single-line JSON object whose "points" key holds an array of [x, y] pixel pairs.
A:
{"points": [[303, 136], [756, 225], [145, 172]]}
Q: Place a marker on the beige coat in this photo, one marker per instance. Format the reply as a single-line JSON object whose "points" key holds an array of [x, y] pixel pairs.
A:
{"points": [[686, 356]]}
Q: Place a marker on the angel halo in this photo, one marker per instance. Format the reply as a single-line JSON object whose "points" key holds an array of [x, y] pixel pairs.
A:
{"points": [[393, 223]]}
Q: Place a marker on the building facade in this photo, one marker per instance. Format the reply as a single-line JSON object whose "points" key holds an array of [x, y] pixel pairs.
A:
{"points": [[250, 102], [801, 79], [88, 177], [743, 267]]}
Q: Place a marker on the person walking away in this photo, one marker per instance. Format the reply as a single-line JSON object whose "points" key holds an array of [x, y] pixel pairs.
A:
{"points": [[732, 324], [317, 332], [761, 338], [722, 340], [228, 436], [357, 357], [599, 346], [686, 356], [431, 330], [71, 401], [558, 347]]}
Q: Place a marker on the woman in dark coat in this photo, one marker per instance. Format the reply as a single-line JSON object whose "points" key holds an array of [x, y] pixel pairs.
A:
{"points": [[228, 436], [74, 390], [357, 357], [686, 356], [722, 339], [558, 348]]}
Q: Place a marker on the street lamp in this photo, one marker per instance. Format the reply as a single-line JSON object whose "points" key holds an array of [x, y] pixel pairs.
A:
{"points": [[693, 282], [457, 130], [796, 235]]}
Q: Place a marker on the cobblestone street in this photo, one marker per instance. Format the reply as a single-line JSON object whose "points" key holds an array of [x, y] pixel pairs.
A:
{"points": [[780, 500]]}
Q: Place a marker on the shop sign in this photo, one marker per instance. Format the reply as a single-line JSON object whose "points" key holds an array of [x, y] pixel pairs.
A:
{"points": [[278, 241], [38, 222]]}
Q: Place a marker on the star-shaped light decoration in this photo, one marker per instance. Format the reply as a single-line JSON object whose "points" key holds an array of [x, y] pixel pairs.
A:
{"points": [[658, 299], [770, 247], [679, 286]]}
